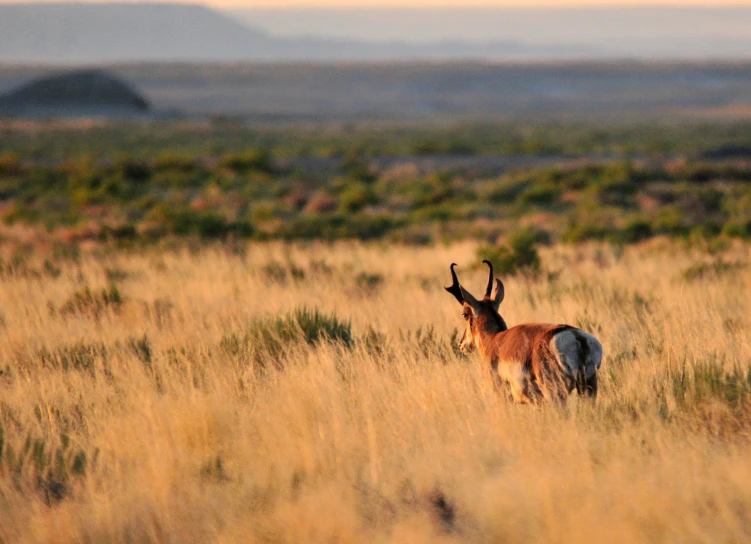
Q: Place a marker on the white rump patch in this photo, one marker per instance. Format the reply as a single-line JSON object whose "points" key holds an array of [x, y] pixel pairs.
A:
{"points": [[566, 346], [595, 349]]}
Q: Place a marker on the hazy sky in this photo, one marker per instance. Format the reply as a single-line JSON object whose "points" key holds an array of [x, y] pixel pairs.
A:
{"points": [[433, 3], [469, 3], [478, 3]]}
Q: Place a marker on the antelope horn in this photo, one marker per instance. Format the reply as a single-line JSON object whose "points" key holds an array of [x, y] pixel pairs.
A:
{"points": [[489, 288], [454, 289]]}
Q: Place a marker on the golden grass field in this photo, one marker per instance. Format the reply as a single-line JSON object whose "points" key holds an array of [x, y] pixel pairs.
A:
{"points": [[147, 413]]}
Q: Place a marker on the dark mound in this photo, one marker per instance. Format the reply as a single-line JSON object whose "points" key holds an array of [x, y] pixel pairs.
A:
{"points": [[80, 93]]}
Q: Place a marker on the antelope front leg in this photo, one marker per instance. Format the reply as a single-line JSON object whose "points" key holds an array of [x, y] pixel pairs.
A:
{"points": [[519, 382], [519, 391], [499, 385], [495, 378]]}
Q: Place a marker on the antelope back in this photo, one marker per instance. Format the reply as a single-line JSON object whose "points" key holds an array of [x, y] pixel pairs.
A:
{"points": [[530, 345]]}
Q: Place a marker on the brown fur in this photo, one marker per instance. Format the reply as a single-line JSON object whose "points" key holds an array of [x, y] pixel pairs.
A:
{"points": [[526, 345]]}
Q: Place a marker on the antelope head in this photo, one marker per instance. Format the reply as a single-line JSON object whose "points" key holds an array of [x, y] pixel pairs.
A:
{"points": [[481, 316]]}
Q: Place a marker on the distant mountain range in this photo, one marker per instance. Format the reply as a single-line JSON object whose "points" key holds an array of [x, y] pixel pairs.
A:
{"points": [[615, 32], [116, 32], [77, 33]]}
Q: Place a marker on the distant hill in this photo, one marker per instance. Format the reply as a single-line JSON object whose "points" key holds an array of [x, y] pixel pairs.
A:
{"points": [[615, 32], [63, 33], [103, 33], [78, 93]]}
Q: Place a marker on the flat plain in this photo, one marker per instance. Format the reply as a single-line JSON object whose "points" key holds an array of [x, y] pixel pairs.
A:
{"points": [[433, 92]]}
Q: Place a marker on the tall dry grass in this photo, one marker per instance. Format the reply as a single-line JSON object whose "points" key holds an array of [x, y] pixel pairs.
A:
{"points": [[140, 403]]}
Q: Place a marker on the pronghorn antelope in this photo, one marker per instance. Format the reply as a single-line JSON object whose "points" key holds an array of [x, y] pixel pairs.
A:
{"points": [[537, 360]]}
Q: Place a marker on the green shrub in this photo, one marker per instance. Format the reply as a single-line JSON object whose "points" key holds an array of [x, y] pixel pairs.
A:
{"points": [[441, 212], [250, 160], [714, 269], [141, 348], [737, 229], [10, 164], [369, 283], [635, 231], [711, 199], [432, 190], [133, 170], [670, 221], [616, 184], [617, 193], [366, 227], [373, 341], [124, 231], [21, 213], [317, 326], [48, 469], [699, 384], [506, 190], [175, 163], [178, 172], [356, 197], [206, 224], [520, 256], [706, 231], [358, 169], [92, 304], [540, 195], [277, 272], [268, 340], [312, 227], [78, 357], [49, 268], [579, 231]]}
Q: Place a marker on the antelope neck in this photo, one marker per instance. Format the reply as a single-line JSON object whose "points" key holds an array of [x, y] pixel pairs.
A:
{"points": [[488, 328]]}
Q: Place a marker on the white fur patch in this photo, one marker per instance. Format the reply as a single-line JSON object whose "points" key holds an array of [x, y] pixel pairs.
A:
{"points": [[595, 349], [514, 374], [511, 371], [566, 346]]}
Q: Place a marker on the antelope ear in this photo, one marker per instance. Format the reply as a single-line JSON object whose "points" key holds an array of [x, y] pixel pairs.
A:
{"points": [[470, 301], [500, 292]]}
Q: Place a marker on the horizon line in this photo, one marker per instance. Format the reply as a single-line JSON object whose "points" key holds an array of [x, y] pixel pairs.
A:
{"points": [[397, 5]]}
